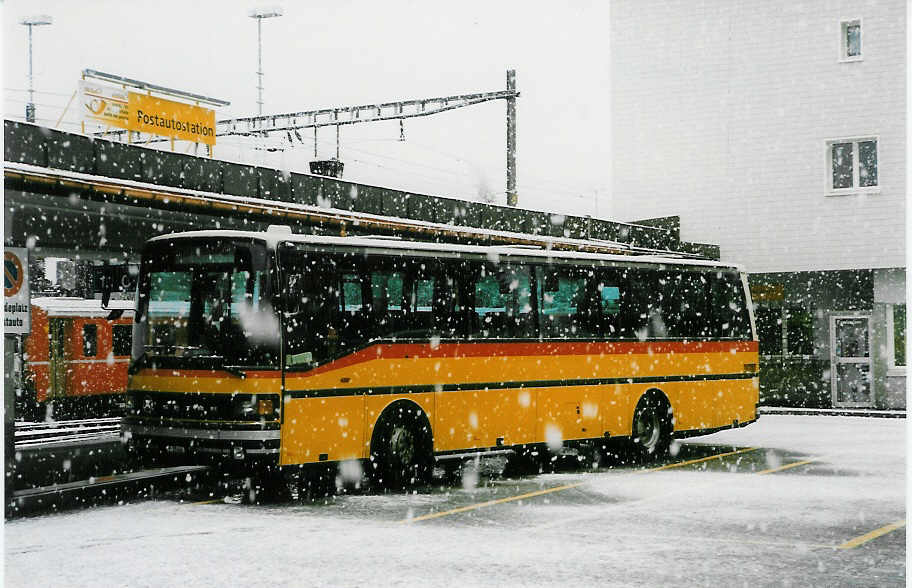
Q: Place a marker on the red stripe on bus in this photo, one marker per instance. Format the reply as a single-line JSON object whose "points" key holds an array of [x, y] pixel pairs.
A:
{"points": [[525, 348], [183, 373]]}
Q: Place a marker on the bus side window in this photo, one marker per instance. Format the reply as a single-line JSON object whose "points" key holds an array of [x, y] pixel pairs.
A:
{"points": [[89, 340], [121, 336], [355, 304], [634, 304], [730, 318], [609, 286], [503, 305], [521, 315], [493, 308], [420, 296], [567, 304], [450, 302], [388, 302], [687, 305]]}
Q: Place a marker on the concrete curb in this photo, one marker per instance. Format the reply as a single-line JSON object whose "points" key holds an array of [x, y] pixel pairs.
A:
{"points": [[857, 412]]}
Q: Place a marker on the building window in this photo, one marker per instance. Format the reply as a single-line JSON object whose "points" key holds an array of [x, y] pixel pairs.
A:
{"points": [[850, 43], [896, 333], [852, 165], [90, 340], [785, 330], [799, 331], [769, 329]]}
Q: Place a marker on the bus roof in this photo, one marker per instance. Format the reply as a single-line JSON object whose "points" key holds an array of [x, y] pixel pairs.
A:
{"points": [[613, 252], [65, 306]]}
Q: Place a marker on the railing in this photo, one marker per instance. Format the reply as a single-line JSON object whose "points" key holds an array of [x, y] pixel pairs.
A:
{"points": [[32, 435]]}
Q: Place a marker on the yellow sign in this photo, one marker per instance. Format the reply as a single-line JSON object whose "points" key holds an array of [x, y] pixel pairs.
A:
{"points": [[767, 292], [151, 114], [104, 104], [116, 107]]}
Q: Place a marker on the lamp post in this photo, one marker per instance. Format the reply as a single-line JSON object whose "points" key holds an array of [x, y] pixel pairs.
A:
{"points": [[259, 14], [32, 21]]}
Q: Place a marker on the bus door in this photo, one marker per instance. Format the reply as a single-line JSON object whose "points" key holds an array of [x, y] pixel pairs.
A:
{"points": [[58, 356]]}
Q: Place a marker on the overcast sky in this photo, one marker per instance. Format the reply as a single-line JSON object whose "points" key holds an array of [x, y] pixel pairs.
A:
{"points": [[345, 52]]}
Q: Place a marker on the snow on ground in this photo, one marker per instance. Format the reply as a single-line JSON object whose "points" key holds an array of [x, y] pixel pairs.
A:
{"points": [[713, 523], [857, 442]]}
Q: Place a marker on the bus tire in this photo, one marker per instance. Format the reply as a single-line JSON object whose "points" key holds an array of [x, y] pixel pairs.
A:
{"points": [[650, 437], [402, 447], [269, 485], [529, 460], [316, 483]]}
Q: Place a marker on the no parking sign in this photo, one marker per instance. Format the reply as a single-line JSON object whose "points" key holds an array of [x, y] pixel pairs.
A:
{"points": [[16, 307]]}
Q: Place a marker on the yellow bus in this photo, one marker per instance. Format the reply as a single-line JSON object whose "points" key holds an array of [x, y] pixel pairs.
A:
{"points": [[278, 349]]}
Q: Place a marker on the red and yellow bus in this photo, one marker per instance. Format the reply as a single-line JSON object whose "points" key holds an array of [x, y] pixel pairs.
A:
{"points": [[288, 350], [76, 356]]}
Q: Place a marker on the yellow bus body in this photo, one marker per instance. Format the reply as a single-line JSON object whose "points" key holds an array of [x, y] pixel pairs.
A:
{"points": [[488, 395]]}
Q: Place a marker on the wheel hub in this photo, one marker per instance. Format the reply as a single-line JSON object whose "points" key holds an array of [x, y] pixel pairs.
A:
{"points": [[402, 445], [648, 430]]}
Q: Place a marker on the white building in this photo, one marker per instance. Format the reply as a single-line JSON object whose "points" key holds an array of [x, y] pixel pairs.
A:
{"points": [[777, 130]]}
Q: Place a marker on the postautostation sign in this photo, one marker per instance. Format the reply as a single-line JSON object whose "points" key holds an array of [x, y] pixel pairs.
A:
{"points": [[16, 304], [159, 116], [144, 113], [104, 104]]}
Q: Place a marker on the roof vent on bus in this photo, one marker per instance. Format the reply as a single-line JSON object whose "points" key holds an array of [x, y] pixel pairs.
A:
{"points": [[380, 237], [284, 229]]}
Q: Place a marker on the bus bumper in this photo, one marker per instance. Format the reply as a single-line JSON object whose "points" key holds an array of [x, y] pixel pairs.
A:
{"points": [[164, 443]]}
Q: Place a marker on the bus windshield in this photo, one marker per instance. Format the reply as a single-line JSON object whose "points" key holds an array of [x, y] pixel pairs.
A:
{"points": [[206, 304]]}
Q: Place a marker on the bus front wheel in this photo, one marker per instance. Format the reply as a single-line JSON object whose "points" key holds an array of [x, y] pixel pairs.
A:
{"points": [[652, 428], [402, 448]]}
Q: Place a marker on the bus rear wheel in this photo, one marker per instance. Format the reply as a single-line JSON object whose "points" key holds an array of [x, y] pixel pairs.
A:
{"points": [[652, 428], [402, 448]]}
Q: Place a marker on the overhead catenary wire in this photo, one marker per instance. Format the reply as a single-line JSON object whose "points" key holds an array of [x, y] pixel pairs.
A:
{"points": [[25, 90], [324, 143], [461, 183]]}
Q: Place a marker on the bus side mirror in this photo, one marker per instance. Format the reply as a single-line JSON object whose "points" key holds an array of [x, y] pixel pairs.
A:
{"points": [[106, 287], [113, 278]]}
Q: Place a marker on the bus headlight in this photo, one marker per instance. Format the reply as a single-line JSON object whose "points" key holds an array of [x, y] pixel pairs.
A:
{"points": [[245, 407], [264, 407], [254, 407]]}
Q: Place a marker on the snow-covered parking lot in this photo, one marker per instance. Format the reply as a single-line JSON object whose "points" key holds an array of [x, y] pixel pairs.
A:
{"points": [[796, 500]]}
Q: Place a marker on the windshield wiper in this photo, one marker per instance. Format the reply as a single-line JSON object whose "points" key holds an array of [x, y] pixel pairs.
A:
{"points": [[218, 364]]}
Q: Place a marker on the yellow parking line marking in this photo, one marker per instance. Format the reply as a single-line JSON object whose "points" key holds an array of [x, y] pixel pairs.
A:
{"points": [[787, 466], [213, 501], [691, 461], [859, 541], [476, 506], [490, 503]]}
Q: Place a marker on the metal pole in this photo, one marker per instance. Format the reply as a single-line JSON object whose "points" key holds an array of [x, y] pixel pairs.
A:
{"points": [[260, 66], [30, 22], [337, 141], [10, 384], [512, 198], [30, 107], [259, 14]]}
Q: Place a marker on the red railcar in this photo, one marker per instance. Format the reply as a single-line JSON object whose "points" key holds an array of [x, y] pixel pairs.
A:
{"points": [[76, 358]]}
